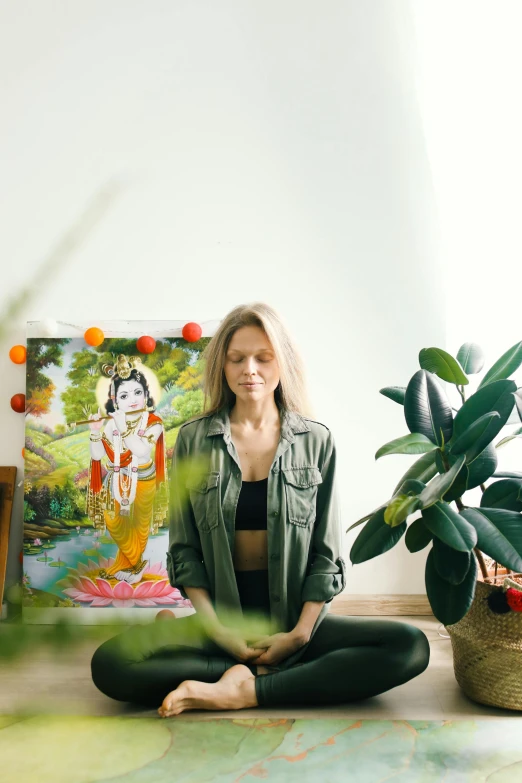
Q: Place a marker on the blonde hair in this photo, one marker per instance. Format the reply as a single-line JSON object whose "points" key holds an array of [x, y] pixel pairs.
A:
{"points": [[291, 392]]}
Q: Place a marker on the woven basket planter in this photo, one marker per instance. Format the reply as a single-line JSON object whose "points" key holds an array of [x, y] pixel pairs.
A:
{"points": [[487, 650]]}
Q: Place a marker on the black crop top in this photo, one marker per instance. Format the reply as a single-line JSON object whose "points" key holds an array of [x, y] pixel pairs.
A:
{"points": [[253, 585], [252, 505]]}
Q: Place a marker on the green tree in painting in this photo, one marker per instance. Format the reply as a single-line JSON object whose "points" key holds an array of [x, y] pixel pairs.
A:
{"points": [[42, 354], [79, 399], [187, 405]]}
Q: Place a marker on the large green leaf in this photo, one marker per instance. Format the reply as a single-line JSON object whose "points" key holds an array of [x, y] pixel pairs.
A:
{"points": [[399, 508], [450, 527], [452, 566], [482, 467], [443, 364], [426, 408], [470, 358], [413, 443], [366, 517], [518, 402], [459, 486], [423, 469], [508, 363], [412, 486], [437, 488], [496, 396], [507, 474], [417, 536], [499, 534], [476, 437], [395, 393], [375, 538], [503, 494], [450, 603]]}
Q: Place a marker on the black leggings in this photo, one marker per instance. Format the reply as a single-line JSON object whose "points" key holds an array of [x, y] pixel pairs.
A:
{"points": [[348, 658]]}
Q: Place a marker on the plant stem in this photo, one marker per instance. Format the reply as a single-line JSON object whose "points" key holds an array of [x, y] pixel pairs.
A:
{"points": [[481, 562], [460, 390]]}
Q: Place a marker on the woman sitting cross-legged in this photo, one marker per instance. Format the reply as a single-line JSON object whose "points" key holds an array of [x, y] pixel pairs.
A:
{"points": [[255, 545]]}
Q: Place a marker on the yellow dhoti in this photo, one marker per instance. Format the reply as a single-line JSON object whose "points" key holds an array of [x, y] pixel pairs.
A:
{"points": [[131, 533]]}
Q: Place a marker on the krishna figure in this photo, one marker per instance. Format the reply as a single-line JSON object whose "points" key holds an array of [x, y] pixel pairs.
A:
{"points": [[132, 500]]}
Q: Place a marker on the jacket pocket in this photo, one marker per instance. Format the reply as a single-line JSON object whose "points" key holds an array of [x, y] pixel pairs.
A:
{"points": [[301, 494], [205, 499]]}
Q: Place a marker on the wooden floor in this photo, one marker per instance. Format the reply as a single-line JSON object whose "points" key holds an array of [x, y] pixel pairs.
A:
{"points": [[46, 681]]}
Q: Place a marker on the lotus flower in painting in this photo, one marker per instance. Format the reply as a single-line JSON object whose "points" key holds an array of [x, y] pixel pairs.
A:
{"points": [[84, 585]]}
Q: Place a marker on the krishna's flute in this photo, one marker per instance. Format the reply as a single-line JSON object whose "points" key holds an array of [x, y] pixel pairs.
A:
{"points": [[74, 424]]}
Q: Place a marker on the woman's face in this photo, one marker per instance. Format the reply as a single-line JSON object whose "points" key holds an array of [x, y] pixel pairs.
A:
{"points": [[130, 396], [250, 358]]}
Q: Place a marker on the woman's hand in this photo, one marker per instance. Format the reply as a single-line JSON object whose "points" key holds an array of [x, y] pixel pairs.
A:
{"points": [[278, 647], [233, 642], [119, 420], [97, 424]]}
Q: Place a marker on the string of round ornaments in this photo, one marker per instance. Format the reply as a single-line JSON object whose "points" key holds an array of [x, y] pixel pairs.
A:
{"points": [[94, 336]]}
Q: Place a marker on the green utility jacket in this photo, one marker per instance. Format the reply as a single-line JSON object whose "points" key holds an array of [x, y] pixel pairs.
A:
{"points": [[303, 518]]}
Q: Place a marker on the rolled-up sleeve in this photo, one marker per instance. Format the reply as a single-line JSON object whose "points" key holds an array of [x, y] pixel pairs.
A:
{"points": [[326, 574], [185, 564]]}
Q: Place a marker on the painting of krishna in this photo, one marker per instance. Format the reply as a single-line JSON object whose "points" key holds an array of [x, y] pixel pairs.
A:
{"points": [[101, 423]]}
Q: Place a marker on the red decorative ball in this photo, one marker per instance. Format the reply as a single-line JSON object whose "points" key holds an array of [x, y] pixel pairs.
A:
{"points": [[514, 599], [18, 354], [146, 344], [192, 332], [18, 403], [21, 556], [94, 336]]}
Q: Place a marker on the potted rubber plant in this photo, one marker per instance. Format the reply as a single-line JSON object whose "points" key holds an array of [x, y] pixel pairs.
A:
{"points": [[468, 545]]}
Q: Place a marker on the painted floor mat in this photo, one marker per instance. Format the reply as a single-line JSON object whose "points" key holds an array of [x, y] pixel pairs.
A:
{"points": [[79, 749]]}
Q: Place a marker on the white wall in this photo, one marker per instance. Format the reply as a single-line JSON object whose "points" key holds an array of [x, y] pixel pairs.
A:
{"points": [[469, 62], [270, 150]]}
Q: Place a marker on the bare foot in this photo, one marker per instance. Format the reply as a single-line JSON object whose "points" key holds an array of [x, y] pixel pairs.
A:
{"points": [[234, 691]]}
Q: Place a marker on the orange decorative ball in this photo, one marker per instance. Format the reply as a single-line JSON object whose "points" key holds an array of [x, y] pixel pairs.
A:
{"points": [[192, 332], [23, 453], [146, 344], [94, 336], [18, 354], [18, 403]]}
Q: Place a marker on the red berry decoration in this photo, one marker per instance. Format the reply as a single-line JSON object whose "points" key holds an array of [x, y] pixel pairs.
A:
{"points": [[192, 332], [18, 403], [514, 599], [146, 344]]}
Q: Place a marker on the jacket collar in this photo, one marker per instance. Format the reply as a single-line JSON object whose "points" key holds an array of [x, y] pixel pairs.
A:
{"points": [[291, 424]]}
